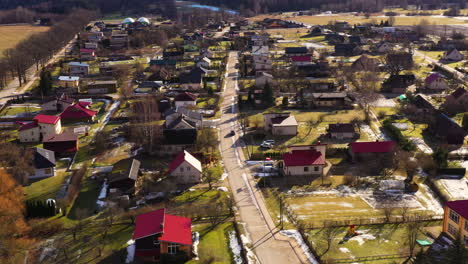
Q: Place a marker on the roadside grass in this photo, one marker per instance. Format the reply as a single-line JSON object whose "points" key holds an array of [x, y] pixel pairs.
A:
{"points": [[45, 188], [389, 239], [13, 111], [12, 35], [214, 243], [436, 55], [399, 20], [203, 102]]}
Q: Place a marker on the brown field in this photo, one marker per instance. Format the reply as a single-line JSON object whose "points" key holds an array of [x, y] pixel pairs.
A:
{"points": [[12, 35]]}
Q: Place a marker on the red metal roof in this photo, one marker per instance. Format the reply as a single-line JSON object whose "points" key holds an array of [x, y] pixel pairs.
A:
{"points": [[47, 119], [87, 50], [149, 224], [28, 126], [460, 206], [303, 158], [185, 96], [176, 162], [77, 111], [174, 229], [301, 58], [372, 147], [177, 229]]}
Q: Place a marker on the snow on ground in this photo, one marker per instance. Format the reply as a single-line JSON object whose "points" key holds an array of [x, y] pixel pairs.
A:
{"points": [[251, 257], [103, 193], [456, 188], [344, 250], [422, 146], [195, 241], [296, 235], [223, 189], [130, 251], [362, 237], [224, 176], [431, 203], [235, 247], [372, 135]]}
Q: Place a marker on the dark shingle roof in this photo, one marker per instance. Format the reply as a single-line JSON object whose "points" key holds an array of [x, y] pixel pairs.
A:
{"points": [[43, 158], [341, 128]]}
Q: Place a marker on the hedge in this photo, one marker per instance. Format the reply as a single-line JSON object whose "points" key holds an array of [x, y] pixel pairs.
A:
{"points": [[396, 135]]}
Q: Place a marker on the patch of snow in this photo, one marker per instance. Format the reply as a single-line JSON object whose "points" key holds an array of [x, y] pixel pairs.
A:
{"points": [[223, 189], [196, 241], [430, 201], [251, 257], [130, 251], [224, 176], [235, 247], [344, 250], [362, 237], [456, 188], [103, 193], [296, 235]]}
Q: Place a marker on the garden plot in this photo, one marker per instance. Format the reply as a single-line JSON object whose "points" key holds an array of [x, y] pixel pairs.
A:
{"points": [[392, 201], [457, 189]]}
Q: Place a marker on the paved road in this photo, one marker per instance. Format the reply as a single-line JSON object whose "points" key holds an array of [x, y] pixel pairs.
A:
{"points": [[13, 87], [269, 246], [456, 73]]}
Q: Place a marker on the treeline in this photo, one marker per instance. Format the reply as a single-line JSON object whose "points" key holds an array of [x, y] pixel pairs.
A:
{"points": [[41, 47], [249, 7], [165, 7], [24, 15]]}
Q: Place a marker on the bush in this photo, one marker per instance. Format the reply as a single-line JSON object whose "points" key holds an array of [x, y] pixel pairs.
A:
{"points": [[396, 134]]}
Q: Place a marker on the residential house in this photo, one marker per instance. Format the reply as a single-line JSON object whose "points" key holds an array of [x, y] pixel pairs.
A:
{"points": [[304, 160], [260, 50], [43, 163], [78, 112], [347, 50], [78, 69], [100, 87], [334, 38], [157, 65], [124, 176], [456, 220], [453, 55], [42, 127], [296, 51], [91, 45], [192, 80], [157, 233], [64, 143], [119, 40], [436, 82], [384, 47], [87, 54], [332, 100], [186, 169], [185, 99], [365, 63], [57, 104], [356, 40], [301, 60], [457, 101], [194, 117], [342, 25], [262, 79], [399, 83], [204, 62], [361, 151], [262, 62], [207, 53], [342, 131], [449, 130], [68, 81], [423, 105], [280, 124]]}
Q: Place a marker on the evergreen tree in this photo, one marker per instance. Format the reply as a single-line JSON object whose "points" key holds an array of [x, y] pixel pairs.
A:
{"points": [[268, 98], [465, 121], [285, 102], [45, 83]]}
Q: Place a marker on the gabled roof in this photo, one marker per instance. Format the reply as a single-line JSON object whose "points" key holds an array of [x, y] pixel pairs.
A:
{"points": [[78, 64], [284, 121], [185, 97], [296, 50], [458, 93], [400, 81], [341, 128], [421, 102], [177, 229], [186, 123], [303, 158], [47, 119], [372, 147], [77, 111], [149, 224], [64, 137], [185, 156], [28, 126], [305, 58], [432, 77], [43, 158]]}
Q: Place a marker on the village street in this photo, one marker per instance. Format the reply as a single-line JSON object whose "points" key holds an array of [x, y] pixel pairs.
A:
{"points": [[268, 244]]}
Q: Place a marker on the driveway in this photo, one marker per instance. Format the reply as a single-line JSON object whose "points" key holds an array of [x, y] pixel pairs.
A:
{"points": [[268, 245]]}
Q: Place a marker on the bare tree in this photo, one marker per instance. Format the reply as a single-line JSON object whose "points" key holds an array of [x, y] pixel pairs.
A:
{"points": [[412, 232], [388, 211], [329, 233], [144, 128]]}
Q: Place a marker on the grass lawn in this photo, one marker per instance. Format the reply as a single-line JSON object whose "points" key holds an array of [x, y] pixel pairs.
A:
{"points": [[86, 199], [436, 55], [399, 21], [203, 102], [213, 243], [45, 188], [13, 111], [12, 35], [374, 240]]}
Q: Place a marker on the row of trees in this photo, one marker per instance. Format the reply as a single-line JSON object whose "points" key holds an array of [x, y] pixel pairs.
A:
{"points": [[39, 208], [40, 48]]}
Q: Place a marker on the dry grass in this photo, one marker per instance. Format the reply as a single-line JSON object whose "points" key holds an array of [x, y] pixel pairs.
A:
{"points": [[12, 35]]}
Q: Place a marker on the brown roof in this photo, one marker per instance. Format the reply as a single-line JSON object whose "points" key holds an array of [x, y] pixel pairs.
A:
{"points": [[341, 128], [66, 136]]}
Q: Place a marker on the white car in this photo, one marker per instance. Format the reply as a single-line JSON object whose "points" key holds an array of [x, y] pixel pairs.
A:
{"points": [[267, 143]]}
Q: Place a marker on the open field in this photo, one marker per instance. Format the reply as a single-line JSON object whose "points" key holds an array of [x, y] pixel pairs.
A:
{"points": [[214, 243], [12, 35]]}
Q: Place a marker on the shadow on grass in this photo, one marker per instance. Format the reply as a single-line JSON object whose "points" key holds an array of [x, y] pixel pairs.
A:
{"points": [[86, 199]]}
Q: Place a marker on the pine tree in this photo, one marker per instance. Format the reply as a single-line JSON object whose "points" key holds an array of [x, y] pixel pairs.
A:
{"points": [[268, 98], [45, 83]]}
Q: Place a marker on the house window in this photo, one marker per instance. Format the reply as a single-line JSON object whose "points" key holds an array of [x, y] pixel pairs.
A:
{"points": [[452, 230], [454, 216], [172, 248], [316, 168], [181, 169], [306, 169], [188, 168], [466, 240], [156, 241], [48, 171]]}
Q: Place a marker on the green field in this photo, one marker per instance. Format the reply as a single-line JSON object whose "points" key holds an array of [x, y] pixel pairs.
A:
{"points": [[12, 35]]}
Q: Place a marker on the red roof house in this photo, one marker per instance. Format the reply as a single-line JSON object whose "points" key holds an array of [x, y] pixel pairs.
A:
{"points": [[456, 219], [304, 160], [78, 113], [185, 168], [42, 126], [301, 59], [66, 142], [362, 150], [47, 119], [159, 233]]}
